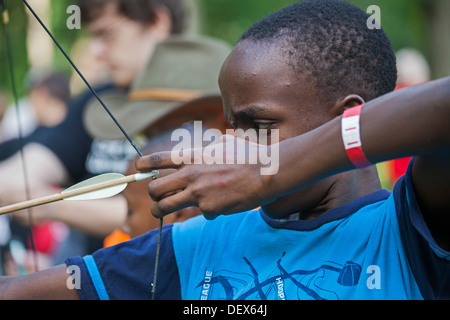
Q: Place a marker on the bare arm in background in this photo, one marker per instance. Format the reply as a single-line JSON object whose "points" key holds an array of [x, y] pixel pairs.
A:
{"points": [[45, 171], [51, 284]]}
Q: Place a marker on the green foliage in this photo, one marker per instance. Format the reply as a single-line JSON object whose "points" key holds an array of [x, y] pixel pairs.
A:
{"points": [[18, 22], [65, 37], [403, 20], [17, 34], [228, 19]]}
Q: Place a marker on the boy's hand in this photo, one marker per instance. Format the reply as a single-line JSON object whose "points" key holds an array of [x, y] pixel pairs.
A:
{"points": [[215, 188]]}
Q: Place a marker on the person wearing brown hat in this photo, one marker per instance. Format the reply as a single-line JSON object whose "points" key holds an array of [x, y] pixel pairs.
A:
{"points": [[179, 84]]}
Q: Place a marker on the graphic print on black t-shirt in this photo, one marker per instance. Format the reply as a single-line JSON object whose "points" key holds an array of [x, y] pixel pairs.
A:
{"points": [[109, 156]]}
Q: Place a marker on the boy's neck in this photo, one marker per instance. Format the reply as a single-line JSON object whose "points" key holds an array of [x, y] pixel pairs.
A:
{"points": [[348, 186]]}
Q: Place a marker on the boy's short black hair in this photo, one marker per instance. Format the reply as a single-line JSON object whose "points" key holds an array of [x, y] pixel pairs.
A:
{"points": [[330, 41], [142, 11]]}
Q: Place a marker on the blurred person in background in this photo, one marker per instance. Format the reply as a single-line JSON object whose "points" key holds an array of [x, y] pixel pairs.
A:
{"points": [[412, 68], [3, 107], [44, 106]]}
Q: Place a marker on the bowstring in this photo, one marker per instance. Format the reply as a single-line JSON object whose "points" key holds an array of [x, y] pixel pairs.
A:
{"points": [[5, 18], [158, 247]]}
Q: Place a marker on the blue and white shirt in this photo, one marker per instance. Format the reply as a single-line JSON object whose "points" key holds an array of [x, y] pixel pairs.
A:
{"points": [[377, 247]]}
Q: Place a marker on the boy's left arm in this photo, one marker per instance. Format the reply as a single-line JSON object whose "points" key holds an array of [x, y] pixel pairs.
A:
{"points": [[431, 179], [431, 145]]}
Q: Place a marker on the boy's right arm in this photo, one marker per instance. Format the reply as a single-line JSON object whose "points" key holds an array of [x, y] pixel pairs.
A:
{"points": [[50, 284]]}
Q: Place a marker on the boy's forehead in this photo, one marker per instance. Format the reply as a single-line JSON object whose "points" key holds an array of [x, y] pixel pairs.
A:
{"points": [[254, 56], [254, 66], [245, 67], [257, 77]]}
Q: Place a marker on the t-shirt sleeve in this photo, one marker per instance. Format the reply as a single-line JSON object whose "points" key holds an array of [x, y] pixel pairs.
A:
{"points": [[10, 147], [125, 271], [430, 263]]}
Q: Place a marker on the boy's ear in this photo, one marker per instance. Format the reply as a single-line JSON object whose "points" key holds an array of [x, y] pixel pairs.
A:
{"points": [[349, 101]]}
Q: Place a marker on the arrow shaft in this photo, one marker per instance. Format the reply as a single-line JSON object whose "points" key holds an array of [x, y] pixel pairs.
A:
{"points": [[65, 194], [30, 203]]}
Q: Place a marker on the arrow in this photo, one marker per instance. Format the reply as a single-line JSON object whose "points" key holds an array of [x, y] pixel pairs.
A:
{"points": [[99, 187]]}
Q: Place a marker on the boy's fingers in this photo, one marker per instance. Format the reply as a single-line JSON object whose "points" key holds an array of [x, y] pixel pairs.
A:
{"points": [[171, 204], [167, 159], [158, 160], [166, 185]]}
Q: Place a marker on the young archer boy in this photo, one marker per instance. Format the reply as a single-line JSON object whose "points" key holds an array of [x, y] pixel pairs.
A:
{"points": [[324, 231]]}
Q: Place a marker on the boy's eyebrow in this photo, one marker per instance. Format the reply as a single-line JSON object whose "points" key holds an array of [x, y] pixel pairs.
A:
{"points": [[251, 112]]}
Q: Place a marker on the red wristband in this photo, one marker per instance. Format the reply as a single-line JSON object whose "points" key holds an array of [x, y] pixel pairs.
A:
{"points": [[352, 137]]}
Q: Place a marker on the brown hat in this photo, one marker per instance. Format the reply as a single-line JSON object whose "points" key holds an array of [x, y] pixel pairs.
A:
{"points": [[182, 73]]}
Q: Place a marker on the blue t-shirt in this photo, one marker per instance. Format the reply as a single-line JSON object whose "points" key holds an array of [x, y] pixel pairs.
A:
{"points": [[377, 247]]}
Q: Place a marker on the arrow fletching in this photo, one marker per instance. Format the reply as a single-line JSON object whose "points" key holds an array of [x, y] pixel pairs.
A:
{"points": [[103, 179], [98, 194]]}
